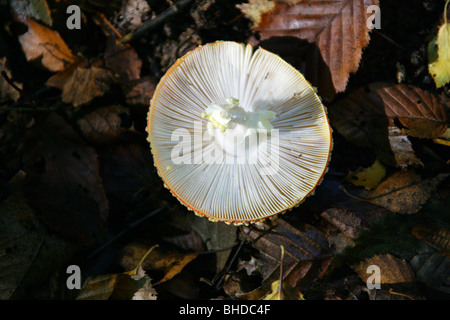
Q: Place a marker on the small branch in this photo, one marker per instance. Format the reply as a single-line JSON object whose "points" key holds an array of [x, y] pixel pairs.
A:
{"points": [[154, 23], [22, 94]]}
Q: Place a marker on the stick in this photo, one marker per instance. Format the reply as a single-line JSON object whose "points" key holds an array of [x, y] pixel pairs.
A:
{"points": [[154, 23]]}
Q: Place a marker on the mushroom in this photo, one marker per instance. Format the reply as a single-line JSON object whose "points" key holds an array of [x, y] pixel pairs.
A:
{"points": [[238, 135]]}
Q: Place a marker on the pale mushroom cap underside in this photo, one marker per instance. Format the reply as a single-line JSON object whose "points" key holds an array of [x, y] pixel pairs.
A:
{"points": [[286, 164]]}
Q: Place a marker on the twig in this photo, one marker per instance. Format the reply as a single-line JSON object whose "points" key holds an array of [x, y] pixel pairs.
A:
{"points": [[154, 23], [390, 40], [22, 94], [121, 233], [280, 286]]}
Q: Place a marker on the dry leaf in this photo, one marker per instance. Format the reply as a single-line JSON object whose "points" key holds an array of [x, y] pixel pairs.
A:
{"points": [[436, 237], [36, 9], [139, 92], [123, 61], [369, 177], [42, 42], [255, 8], [169, 261], [6, 91], [63, 181], [432, 269], [392, 269], [382, 116], [20, 240], [338, 29], [404, 191], [106, 125], [307, 253], [287, 293]]}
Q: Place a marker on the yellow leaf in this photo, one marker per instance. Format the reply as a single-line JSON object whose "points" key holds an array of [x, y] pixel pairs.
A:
{"points": [[288, 293], [439, 54], [368, 178]]}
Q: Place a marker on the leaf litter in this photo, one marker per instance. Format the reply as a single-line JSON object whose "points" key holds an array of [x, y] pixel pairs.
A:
{"points": [[89, 180]]}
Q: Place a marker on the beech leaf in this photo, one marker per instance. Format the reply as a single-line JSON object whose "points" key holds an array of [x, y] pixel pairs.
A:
{"points": [[338, 29], [382, 116], [405, 191], [41, 42]]}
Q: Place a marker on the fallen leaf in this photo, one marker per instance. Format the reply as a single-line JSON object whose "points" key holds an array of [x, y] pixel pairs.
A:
{"points": [[6, 91], [170, 262], [288, 293], [369, 177], [130, 285], [20, 240], [436, 237], [307, 252], [63, 181], [439, 54], [122, 60], [382, 116], [255, 8], [405, 191], [433, 269], [86, 84], [392, 269], [352, 216], [338, 29], [41, 42], [131, 15], [139, 92], [36, 9], [251, 266], [106, 125]]}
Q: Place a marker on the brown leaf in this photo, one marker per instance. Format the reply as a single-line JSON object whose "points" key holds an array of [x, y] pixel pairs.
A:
{"points": [[307, 253], [63, 181], [436, 237], [81, 82], [20, 240], [169, 261], [382, 116], [42, 42], [338, 29], [139, 92], [6, 91], [392, 269], [404, 191], [106, 125], [352, 217], [123, 61]]}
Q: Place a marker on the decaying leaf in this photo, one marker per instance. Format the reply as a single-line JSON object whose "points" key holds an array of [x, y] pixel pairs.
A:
{"points": [[307, 256], [139, 92], [251, 266], [436, 237], [432, 269], [255, 8], [352, 216], [131, 15], [169, 261], [36, 9], [369, 177], [41, 42], [405, 191], [6, 91], [80, 82], [338, 29], [123, 61], [287, 293], [106, 125], [130, 285], [439, 53], [20, 240], [382, 116], [392, 269], [63, 181]]}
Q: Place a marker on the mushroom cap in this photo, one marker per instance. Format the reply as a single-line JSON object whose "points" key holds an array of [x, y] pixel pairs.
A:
{"points": [[291, 158]]}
